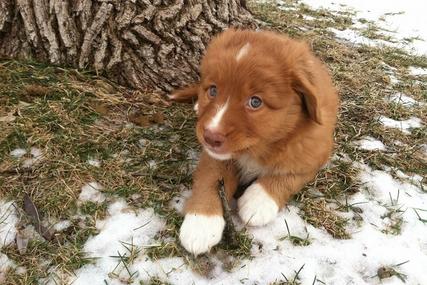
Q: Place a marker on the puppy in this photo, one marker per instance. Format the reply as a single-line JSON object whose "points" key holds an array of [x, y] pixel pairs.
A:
{"points": [[266, 112]]}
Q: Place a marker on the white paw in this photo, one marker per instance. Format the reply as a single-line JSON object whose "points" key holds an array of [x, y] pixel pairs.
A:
{"points": [[199, 232], [256, 207]]}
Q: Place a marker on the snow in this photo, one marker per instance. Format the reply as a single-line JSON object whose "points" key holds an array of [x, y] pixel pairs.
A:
{"points": [[122, 228], [18, 153], [406, 23], [8, 221], [405, 126], [36, 156], [413, 70], [62, 225], [404, 100], [333, 261], [91, 192], [354, 37], [5, 264], [94, 162], [369, 143]]}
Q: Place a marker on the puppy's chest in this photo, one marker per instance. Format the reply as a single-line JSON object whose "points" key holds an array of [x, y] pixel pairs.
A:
{"points": [[249, 169]]}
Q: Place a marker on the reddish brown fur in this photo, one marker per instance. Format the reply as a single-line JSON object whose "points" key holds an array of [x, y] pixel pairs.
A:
{"points": [[290, 137]]}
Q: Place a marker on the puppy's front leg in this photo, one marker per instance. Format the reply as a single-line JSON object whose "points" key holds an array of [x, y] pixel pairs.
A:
{"points": [[204, 223], [262, 200]]}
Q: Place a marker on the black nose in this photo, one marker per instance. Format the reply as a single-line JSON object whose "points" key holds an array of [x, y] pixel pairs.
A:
{"points": [[213, 139]]}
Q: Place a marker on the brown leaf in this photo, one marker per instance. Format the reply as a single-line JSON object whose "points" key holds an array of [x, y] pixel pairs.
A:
{"points": [[8, 118], [35, 90], [100, 108], [153, 99], [104, 86], [158, 118], [139, 119], [32, 211]]}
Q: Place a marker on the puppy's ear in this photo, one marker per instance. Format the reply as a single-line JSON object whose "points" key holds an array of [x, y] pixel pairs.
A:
{"points": [[185, 95], [303, 84]]}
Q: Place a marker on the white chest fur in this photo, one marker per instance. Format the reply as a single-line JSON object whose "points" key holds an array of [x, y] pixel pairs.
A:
{"points": [[249, 169]]}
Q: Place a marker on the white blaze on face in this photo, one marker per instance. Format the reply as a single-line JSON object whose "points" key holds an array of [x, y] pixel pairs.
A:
{"points": [[196, 107], [243, 51], [216, 120]]}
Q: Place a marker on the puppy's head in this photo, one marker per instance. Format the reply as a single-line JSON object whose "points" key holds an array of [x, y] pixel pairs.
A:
{"points": [[255, 89]]}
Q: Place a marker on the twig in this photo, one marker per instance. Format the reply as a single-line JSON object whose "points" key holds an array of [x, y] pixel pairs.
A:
{"points": [[230, 233]]}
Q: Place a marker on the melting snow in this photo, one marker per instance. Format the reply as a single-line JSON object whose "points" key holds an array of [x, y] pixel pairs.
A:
{"points": [[404, 100], [413, 70], [404, 126], [369, 143], [122, 228], [333, 261], [356, 38], [91, 192], [8, 221], [18, 153], [36, 156], [94, 162], [402, 20]]}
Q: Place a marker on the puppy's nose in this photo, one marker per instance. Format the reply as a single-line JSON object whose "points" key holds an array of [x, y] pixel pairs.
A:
{"points": [[213, 139]]}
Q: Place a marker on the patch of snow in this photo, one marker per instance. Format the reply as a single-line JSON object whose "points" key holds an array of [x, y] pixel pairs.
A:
{"points": [[414, 178], [403, 24], [5, 264], [94, 162], [8, 221], [143, 142], [178, 201], [333, 261], [152, 164], [36, 152], [355, 38], [91, 192], [18, 153], [404, 100], [62, 225], [393, 79], [36, 156], [413, 70], [391, 72], [308, 17], [369, 143], [122, 228], [405, 126]]}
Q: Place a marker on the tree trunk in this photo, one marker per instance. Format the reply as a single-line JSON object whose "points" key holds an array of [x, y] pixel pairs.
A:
{"points": [[145, 44]]}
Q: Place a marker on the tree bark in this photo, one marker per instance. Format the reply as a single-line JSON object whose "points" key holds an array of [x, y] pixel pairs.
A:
{"points": [[145, 44]]}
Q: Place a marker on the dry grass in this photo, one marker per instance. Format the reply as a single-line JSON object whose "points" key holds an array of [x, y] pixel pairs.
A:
{"points": [[73, 116]]}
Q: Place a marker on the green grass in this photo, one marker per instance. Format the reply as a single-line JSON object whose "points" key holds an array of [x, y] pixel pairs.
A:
{"points": [[73, 116]]}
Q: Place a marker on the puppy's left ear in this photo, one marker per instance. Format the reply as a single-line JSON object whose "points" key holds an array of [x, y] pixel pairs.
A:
{"points": [[304, 84], [186, 95]]}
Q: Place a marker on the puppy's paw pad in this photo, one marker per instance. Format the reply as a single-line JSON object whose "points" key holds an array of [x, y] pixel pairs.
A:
{"points": [[256, 206], [199, 233]]}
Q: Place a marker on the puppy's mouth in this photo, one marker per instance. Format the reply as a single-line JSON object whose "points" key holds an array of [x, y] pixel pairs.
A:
{"points": [[217, 152]]}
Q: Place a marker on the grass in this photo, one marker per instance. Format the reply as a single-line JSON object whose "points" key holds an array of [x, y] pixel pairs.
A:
{"points": [[144, 146], [296, 240]]}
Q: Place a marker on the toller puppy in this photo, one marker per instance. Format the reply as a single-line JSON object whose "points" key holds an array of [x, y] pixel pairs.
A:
{"points": [[266, 112]]}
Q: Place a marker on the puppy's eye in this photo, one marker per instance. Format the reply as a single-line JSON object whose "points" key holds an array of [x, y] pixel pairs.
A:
{"points": [[212, 91], [255, 102]]}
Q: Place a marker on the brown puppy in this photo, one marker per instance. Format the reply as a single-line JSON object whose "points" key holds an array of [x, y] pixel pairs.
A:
{"points": [[266, 111]]}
